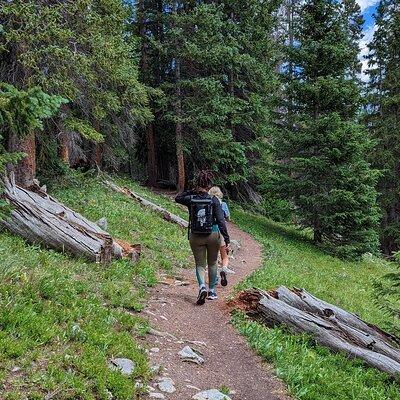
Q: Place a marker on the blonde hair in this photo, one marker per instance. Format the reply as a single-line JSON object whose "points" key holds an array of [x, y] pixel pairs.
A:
{"points": [[216, 191]]}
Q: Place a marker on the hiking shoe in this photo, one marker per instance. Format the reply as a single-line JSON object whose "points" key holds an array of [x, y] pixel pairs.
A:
{"points": [[224, 280], [201, 298], [212, 295]]}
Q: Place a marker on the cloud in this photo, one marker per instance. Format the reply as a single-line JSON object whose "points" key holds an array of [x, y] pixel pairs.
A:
{"points": [[364, 4], [368, 35]]}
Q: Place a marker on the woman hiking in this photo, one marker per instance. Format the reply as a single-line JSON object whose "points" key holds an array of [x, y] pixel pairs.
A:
{"points": [[217, 192], [206, 225]]}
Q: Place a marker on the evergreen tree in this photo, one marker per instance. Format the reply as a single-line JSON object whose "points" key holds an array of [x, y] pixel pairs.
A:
{"points": [[20, 113], [82, 51], [214, 63], [384, 118], [322, 149]]}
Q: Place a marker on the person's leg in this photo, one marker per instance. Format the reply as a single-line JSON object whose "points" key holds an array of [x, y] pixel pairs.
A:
{"points": [[224, 265], [224, 257], [199, 249], [213, 245]]}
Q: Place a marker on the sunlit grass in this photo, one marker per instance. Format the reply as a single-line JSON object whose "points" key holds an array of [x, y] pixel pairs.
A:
{"points": [[62, 318], [312, 372]]}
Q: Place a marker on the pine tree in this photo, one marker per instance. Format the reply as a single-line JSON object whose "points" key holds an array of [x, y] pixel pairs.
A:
{"points": [[322, 149], [22, 112], [82, 51], [214, 63], [384, 117]]}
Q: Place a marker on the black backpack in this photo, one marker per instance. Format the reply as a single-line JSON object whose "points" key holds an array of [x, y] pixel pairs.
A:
{"points": [[201, 214]]}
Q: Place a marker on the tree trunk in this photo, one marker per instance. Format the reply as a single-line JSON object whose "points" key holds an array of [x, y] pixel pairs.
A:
{"points": [[40, 219], [146, 203], [151, 156], [64, 147], [179, 131], [330, 326], [97, 155], [64, 138], [25, 170]]}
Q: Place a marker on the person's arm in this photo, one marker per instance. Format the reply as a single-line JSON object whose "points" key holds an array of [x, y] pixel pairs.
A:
{"points": [[184, 198], [219, 216]]}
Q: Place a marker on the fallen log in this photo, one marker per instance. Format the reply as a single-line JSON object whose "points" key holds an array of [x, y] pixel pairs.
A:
{"points": [[168, 216], [329, 325], [41, 219]]}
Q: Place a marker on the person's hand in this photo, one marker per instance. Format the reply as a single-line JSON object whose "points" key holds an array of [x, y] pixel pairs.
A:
{"points": [[228, 248]]}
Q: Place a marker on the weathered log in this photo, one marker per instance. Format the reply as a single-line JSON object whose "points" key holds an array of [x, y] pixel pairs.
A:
{"points": [[329, 325], [41, 219], [168, 216]]}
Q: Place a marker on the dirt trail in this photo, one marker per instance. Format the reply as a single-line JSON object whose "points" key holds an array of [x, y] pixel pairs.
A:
{"points": [[229, 361]]}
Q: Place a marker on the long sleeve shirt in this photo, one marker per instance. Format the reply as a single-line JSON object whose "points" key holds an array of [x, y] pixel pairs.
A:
{"points": [[185, 199]]}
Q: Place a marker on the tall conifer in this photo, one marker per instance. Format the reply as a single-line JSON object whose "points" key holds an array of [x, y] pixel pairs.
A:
{"points": [[322, 149], [384, 117]]}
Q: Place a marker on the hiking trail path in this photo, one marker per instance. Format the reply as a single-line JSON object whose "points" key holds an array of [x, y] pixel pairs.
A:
{"points": [[229, 361]]}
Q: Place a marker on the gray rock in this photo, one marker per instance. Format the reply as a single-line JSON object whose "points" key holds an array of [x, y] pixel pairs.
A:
{"points": [[155, 369], [166, 385], [235, 247], [188, 354], [123, 365], [212, 394], [102, 223]]}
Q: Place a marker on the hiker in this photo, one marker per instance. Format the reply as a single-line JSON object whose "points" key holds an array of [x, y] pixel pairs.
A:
{"points": [[217, 192], [206, 225]]}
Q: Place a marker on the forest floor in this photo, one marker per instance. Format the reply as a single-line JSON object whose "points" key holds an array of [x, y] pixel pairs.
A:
{"points": [[230, 365]]}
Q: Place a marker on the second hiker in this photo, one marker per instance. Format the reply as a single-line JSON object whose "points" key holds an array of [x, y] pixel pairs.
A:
{"points": [[217, 192], [206, 225]]}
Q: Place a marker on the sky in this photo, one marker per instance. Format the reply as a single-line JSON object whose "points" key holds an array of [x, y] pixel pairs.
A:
{"points": [[368, 8]]}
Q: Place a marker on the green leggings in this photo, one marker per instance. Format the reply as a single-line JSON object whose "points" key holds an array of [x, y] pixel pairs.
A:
{"points": [[205, 250]]}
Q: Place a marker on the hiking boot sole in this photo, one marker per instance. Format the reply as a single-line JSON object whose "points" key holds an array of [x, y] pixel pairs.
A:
{"points": [[224, 281], [202, 298]]}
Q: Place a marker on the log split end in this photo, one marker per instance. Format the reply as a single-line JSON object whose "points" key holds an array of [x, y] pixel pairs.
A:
{"points": [[246, 301]]}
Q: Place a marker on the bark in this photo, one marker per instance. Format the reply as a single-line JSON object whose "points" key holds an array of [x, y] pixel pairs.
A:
{"points": [[151, 156], [330, 326], [25, 170], [41, 219], [179, 131], [64, 147], [97, 155], [64, 138], [148, 204]]}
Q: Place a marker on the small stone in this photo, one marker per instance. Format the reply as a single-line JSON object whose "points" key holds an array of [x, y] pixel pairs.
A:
{"points": [[193, 387], [16, 369], [123, 365], [102, 223], [189, 355], [155, 369], [212, 394], [166, 385], [156, 395], [235, 247], [154, 350]]}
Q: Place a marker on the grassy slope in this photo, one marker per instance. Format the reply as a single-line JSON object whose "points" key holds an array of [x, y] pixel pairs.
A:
{"points": [[62, 318], [313, 373]]}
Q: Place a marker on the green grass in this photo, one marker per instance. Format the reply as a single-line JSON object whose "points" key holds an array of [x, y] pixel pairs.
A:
{"points": [[62, 318], [312, 372]]}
